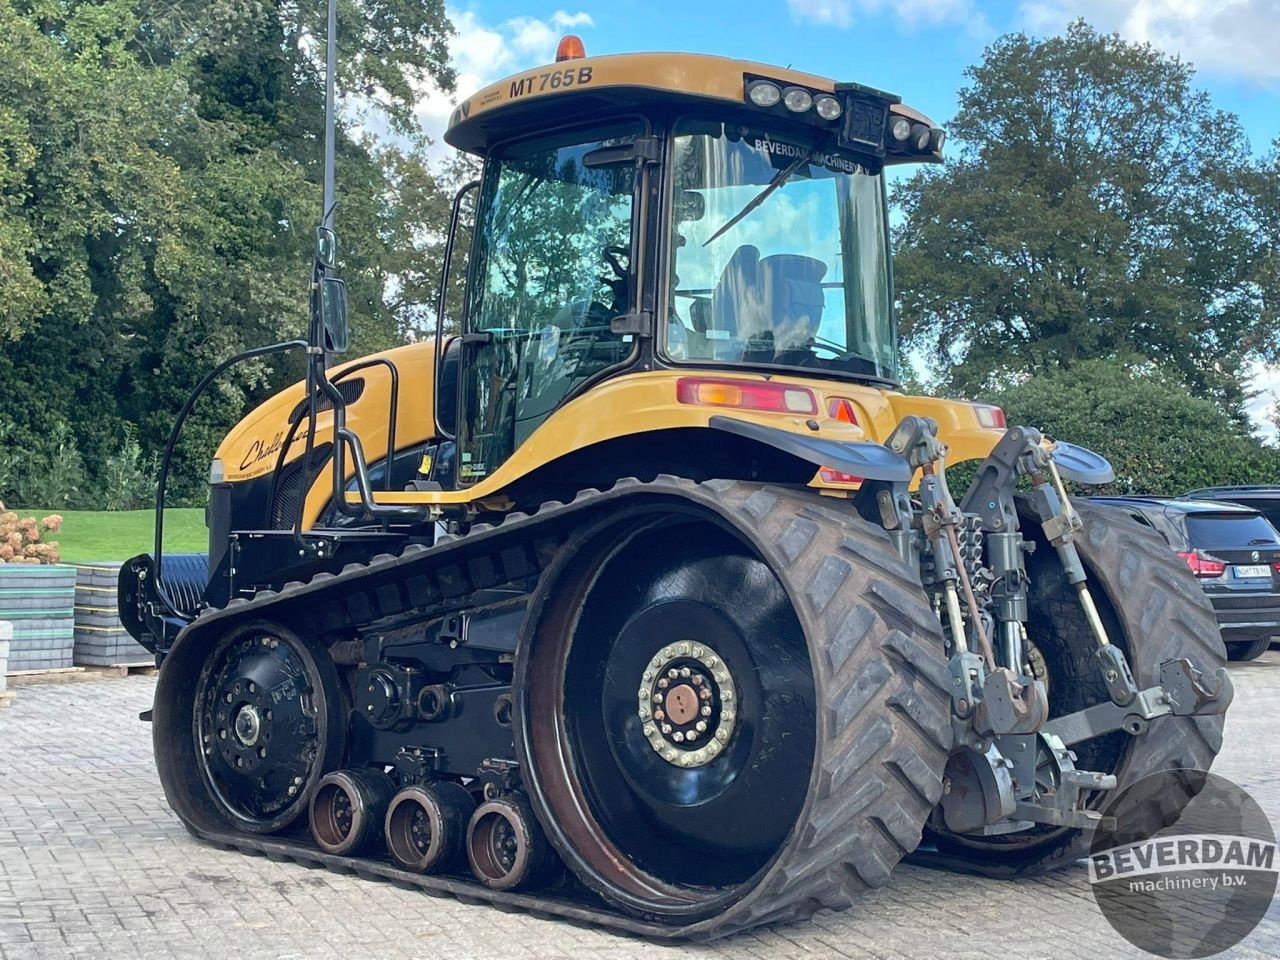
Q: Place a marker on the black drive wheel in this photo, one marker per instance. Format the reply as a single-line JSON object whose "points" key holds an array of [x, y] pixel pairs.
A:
{"points": [[506, 846], [426, 826], [681, 739], [347, 810], [1153, 609], [267, 725], [1242, 650]]}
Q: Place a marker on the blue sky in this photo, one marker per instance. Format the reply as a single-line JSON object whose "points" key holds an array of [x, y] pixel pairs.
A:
{"points": [[918, 49]]}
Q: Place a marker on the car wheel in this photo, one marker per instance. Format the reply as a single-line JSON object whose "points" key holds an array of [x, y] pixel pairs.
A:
{"points": [[1240, 650]]}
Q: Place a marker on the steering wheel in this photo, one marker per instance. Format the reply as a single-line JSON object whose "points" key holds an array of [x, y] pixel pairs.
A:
{"points": [[619, 283], [611, 255]]}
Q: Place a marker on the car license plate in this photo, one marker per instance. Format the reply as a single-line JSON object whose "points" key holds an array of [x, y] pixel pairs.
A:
{"points": [[1242, 572]]}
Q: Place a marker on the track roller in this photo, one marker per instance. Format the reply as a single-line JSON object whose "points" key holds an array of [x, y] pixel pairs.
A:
{"points": [[347, 810], [506, 847], [426, 826]]}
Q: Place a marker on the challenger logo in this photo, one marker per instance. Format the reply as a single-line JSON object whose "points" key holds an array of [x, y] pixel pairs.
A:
{"points": [[261, 450]]}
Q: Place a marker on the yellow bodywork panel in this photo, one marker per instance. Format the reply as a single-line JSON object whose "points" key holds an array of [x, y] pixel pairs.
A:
{"points": [[643, 402], [631, 79], [252, 448], [629, 405]]}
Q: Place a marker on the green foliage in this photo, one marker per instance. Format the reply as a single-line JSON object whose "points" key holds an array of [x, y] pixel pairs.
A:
{"points": [[52, 472], [1100, 206], [1159, 438], [159, 181], [128, 477]]}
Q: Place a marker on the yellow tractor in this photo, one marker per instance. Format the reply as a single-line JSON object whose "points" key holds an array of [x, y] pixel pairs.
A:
{"points": [[643, 600]]}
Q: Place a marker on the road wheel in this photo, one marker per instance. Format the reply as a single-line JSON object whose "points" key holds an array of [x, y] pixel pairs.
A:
{"points": [[738, 719], [1154, 610], [246, 727]]}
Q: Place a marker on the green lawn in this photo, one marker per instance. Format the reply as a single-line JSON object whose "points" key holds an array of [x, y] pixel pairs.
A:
{"points": [[100, 535]]}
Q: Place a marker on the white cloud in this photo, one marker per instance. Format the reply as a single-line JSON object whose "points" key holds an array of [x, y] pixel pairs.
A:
{"points": [[842, 13], [482, 52], [836, 12], [1229, 37], [534, 38]]}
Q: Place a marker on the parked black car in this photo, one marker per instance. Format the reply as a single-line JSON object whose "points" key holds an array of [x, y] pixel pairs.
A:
{"points": [[1234, 551], [1264, 499]]}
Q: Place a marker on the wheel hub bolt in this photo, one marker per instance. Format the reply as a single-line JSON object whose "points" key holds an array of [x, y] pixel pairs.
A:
{"points": [[687, 704], [248, 725]]}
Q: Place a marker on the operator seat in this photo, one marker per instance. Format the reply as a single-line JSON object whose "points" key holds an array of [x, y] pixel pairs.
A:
{"points": [[737, 290], [791, 287]]}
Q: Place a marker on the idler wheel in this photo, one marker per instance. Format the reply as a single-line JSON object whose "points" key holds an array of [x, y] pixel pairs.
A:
{"points": [[506, 847], [426, 826], [347, 810]]}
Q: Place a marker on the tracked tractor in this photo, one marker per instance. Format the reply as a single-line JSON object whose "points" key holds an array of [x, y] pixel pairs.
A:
{"points": [[643, 599]]}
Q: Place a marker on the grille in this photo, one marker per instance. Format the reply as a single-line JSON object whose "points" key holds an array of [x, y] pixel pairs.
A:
{"points": [[289, 492], [351, 391]]}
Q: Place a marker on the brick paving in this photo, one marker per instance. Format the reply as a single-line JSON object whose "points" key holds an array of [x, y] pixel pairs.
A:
{"points": [[93, 864]]}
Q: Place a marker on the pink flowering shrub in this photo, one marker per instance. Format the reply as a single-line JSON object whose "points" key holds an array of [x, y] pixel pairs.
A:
{"points": [[23, 540]]}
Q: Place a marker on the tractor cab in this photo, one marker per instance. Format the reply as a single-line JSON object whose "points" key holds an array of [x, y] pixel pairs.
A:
{"points": [[671, 212]]}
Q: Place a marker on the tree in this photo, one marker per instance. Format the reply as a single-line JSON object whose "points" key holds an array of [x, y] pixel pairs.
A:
{"points": [[1097, 208], [159, 182], [1159, 438]]}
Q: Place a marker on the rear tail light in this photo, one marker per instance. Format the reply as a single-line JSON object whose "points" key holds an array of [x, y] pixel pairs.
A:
{"points": [[989, 417], [836, 476], [746, 395], [1276, 567], [1203, 566], [838, 408]]}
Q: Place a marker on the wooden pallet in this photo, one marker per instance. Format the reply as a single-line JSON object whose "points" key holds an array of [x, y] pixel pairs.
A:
{"points": [[145, 668], [73, 674]]}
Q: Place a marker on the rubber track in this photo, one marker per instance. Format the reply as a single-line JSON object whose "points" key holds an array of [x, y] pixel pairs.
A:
{"points": [[878, 662]]}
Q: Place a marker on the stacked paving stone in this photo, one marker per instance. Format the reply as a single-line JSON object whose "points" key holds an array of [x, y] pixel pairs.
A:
{"points": [[101, 640], [6, 637], [38, 601]]}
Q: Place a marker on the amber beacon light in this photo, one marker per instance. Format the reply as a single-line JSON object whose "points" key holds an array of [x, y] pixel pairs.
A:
{"points": [[570, 48]]}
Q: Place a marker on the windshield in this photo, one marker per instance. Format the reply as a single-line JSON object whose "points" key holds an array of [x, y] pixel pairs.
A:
{"points": [[801, 278], [552, 270]]}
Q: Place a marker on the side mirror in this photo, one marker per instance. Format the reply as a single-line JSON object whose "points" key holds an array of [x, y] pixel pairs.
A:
{"points": [[690, 207], [333, 309], [326, 247]]}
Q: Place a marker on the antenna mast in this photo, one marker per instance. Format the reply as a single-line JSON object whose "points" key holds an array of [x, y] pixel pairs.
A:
{"points": [[330, 69]]}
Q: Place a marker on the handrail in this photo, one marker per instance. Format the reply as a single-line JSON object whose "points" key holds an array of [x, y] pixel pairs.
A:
{"points": [[293, 431], [343, 438], [163, 478], [442, 296]]}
